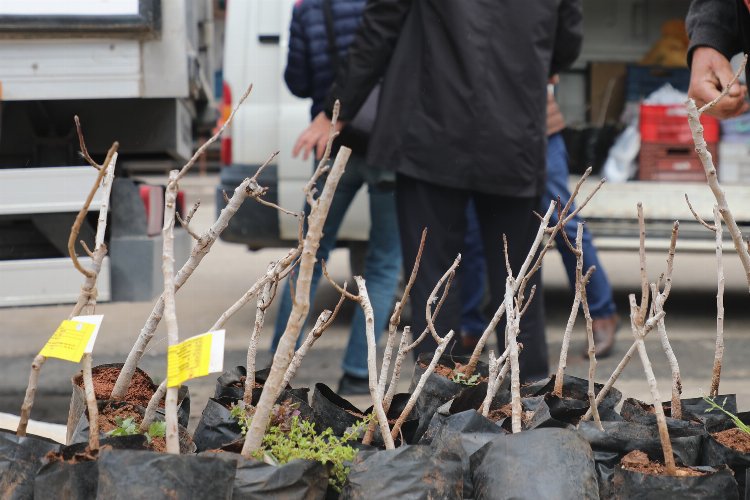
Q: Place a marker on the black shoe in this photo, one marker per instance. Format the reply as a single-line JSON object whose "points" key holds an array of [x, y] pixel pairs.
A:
{"points": [[350, 385]]}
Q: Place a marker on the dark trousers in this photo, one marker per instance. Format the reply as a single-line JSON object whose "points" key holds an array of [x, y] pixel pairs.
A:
{"points": [[443, 211]]}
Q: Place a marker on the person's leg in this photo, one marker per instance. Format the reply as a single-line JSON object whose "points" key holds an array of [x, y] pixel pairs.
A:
{"points": [[514, 218], [598, 291], [472, 272], [348, 186], [382, 267], [442, 211]]}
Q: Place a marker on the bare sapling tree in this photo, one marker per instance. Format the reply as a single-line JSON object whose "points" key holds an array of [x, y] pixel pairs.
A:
{"points": [[719, 350], [325, 319], [659, 299], [249, 188], [301, 304], [580, 289], [527, 270], [499, 368], [86, 301], [153, 405], [655, 319], [638, 327], [694, 114], [170, 310], [443, 283]]}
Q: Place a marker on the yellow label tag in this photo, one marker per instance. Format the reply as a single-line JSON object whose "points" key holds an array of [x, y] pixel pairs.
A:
{"points": [[195, 357], [69, 341]]}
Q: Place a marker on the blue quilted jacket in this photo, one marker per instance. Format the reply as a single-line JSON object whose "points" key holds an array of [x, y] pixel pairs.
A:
{"points": [[309, 70]]}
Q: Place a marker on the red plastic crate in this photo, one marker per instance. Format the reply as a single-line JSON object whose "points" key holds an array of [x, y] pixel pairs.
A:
{"points": [[668, 124], [672, 162]]}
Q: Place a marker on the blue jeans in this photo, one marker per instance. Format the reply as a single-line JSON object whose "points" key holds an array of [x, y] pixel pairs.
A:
{"points": [[598, 291], [382, 262]]}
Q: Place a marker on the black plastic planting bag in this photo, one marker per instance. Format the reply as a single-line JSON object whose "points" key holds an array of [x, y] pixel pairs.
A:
{"points": [[714, 420], [408, 428], [331, 410], [540, 463], [411, 471], [437, 389], [255, 480], [471, 431], [718, 485], [573, 388], [231, 384], [624, 437], [20, 460], [128, 474], [715, 454], [69, 477]]}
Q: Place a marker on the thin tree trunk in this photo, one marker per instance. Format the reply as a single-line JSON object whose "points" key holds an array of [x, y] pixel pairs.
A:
{"points": [[153, 405], [285, 350], [719, 354], [170, 313], [28, 400]]}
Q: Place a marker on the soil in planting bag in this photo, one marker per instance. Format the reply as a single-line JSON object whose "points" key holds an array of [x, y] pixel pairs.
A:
{"points": [[129, 474], [411, 471], [231, 384], [408, 428], [81, 433], [72, 474], [736, 456], [20, 460], [438, 388], [255, 480], [140, 392], [574, 388], [217, 427], [624, 437], [472, 431], [717, 484], [540, 463]]}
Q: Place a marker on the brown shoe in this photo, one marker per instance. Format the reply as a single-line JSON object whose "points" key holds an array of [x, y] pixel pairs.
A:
{"points": [[604, 335]]}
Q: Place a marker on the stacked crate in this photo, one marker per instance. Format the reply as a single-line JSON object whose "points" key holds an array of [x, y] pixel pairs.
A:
{"points": [[734, 150], [667, 149]]}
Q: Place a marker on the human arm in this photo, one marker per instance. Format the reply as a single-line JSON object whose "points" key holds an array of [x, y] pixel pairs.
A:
{"points": [[713, 31], [569, 35], [367, 61]]}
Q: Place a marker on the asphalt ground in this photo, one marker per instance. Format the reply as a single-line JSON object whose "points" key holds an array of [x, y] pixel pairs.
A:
{"points": [[230, 269]]}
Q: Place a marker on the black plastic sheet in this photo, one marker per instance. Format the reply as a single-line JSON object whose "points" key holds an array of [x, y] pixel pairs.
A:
{"points": [[331, 410], [230, 384], [541, 463], [719, 485], [715, 454], [128, 474], [20, 460]]}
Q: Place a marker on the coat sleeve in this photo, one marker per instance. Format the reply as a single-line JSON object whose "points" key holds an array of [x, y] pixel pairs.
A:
{"points": [[368, 55], [713, 23], [298, 75], [568, 37]]}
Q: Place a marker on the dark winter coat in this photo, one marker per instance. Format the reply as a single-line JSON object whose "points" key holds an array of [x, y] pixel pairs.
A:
{"points": [[723, 25], [309, 70], [464, 97]]}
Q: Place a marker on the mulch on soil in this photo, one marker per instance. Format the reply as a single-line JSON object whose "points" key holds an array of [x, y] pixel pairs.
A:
{"points": [[638, 461], [735, 439], [139, 392]]}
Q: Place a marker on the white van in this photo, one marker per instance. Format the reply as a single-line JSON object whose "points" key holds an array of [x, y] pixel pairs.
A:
{"points": [[615, 32]]}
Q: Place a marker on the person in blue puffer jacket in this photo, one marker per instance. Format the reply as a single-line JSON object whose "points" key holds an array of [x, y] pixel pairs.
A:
{"points": [[309, 73]]}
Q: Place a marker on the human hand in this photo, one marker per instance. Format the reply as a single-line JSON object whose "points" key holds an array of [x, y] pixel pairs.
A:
{"points": [[315, 136], [710, 73]]}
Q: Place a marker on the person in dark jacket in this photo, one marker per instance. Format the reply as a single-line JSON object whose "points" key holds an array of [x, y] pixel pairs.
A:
{"points": [[310, 73], [718, 29], [461, 116]]}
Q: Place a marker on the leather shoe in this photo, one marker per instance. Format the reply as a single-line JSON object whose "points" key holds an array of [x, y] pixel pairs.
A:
{"points": [[350, 385], [604, 335]]}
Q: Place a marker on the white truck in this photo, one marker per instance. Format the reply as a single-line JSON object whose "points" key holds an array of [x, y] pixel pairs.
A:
{"points": [[135, 71], [255, 51]]}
